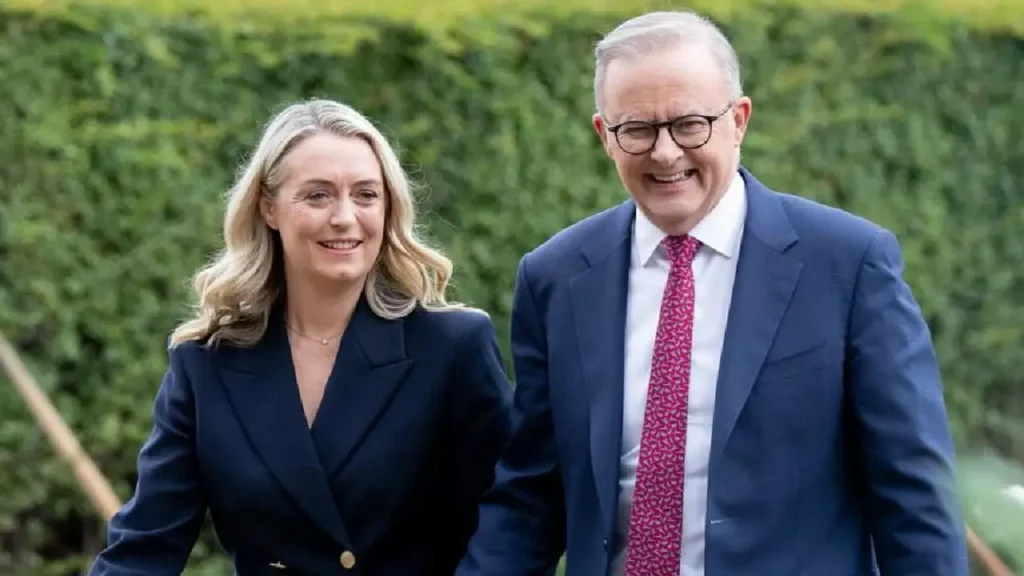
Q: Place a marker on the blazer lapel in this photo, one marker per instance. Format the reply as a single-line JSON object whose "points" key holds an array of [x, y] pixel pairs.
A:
{"points": [[261, 386], [765, 279], [369, 370], [599, 306]]}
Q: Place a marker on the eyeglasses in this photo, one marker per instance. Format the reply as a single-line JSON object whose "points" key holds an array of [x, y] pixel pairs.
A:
{"points": [[688, 132]]}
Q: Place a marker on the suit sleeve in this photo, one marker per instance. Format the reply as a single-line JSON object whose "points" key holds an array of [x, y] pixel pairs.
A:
{"points": [[522, 518], [902, 427], [153, 534], [483, 421]]}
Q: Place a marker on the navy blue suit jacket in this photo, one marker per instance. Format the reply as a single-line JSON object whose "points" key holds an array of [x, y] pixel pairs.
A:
{"points": [[405, 441], [830, 453]]}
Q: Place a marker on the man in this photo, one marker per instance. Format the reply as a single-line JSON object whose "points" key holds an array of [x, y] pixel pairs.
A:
{"points": [[714, 378]]}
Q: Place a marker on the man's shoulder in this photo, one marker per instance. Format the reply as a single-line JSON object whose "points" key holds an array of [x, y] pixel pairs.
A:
{"points": [[563, 250], [827, 227]]}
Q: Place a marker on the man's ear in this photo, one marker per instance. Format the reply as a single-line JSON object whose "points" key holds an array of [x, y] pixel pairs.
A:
{"points": [[741, 117], [602, 133]]}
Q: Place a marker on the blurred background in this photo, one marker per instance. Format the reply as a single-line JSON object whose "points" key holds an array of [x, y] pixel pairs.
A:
{"points": [[122, 123]]}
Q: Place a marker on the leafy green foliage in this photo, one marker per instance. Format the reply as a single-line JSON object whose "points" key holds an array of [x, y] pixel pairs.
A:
{"points": [[121, 130], [442, 15]]}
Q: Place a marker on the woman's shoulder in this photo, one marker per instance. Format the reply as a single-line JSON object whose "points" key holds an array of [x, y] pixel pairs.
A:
{"points": [[202, 351], [447, 324], [190, 354]]}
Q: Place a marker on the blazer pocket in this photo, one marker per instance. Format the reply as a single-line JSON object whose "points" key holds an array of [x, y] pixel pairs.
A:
{"points": [[788, 365]]}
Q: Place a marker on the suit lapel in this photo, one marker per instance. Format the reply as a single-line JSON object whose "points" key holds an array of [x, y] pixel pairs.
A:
{"points": [[260, 384], [765, 280], [599, 306], [370, 368]]}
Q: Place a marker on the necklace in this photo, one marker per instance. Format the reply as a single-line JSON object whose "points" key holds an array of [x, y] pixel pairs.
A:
{"points": [[324, 341]]}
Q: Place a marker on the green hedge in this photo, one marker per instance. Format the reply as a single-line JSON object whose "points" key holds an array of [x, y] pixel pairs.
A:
{"points": [[119, 133]]}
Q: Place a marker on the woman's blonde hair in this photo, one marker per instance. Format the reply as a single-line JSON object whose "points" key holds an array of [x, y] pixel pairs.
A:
{"points": [[237, 290]]}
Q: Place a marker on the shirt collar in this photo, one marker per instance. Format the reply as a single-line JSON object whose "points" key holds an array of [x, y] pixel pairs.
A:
{"points": [[721, 230]]}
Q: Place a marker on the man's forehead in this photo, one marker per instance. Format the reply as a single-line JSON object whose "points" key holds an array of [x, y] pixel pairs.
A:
{"points": [[670, 82], [660, 102]]}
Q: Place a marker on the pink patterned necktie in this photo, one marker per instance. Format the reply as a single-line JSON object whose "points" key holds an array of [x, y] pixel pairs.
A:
{"points": [[656, 522]]}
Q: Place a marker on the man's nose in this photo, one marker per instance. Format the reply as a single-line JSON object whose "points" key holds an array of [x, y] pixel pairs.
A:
{"points": [[665, 148]]}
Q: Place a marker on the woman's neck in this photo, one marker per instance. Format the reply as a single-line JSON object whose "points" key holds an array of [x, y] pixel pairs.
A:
{"points": [[319, 313]]}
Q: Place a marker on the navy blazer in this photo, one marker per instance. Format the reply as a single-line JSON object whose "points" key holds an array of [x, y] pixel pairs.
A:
{"points": [[386, 482], [831, 453]]}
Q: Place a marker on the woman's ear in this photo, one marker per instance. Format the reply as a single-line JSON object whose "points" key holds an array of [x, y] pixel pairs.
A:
{"points": [[267, 211]]}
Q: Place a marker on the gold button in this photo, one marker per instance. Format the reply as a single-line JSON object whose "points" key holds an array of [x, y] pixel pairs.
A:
{"points": [[348, 559]]}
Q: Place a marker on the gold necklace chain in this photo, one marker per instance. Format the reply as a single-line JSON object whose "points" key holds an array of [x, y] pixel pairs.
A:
{"points": [[324, 341]]}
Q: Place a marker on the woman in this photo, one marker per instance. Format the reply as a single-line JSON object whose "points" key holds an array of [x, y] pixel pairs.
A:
{"points": [[328, 407]]}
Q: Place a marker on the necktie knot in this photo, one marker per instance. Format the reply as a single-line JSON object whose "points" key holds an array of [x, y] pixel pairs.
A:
{"points": [[681, 249]]}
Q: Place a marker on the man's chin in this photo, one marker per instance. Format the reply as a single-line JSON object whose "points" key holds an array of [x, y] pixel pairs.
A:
{"points": [[676, 217]]}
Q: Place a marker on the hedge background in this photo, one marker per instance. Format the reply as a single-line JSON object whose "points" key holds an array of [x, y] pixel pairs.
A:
{"points": [[120, 129]]}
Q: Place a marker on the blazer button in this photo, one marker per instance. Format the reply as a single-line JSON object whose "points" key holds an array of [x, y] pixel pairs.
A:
{"points": [[605, 543], [348, 560]]}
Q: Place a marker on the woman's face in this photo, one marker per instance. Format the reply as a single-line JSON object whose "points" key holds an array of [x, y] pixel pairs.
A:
{"points": [[330, 210]]}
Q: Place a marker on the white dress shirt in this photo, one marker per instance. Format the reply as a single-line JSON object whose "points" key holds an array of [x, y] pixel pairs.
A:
{"points": [[714, 269]]}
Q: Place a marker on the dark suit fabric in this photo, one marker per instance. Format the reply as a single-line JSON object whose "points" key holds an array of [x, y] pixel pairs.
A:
{"points": [[831, 451], [403, 445]]}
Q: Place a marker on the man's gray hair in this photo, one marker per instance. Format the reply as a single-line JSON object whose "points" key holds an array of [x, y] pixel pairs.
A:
{"points": [[657, 30]]}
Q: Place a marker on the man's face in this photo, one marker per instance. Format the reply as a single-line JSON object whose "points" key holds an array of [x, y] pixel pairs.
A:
{"points": [[675, 187]]}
